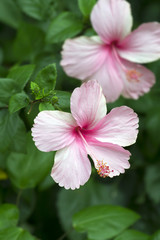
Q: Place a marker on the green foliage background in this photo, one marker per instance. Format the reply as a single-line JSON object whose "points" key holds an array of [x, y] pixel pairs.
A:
{"points": [[32, 206]]}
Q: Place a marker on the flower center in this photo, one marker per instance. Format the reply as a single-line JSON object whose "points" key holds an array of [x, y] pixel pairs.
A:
{"points": [[102, 169]]}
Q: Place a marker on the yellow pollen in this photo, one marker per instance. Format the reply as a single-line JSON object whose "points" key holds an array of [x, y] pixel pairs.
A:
{"points": [[102, 169], [133, 75]]}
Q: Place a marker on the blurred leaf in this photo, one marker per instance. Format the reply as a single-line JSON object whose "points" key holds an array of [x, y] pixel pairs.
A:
{"points": [[92, 193], [3, 175], [21, 74], [152, 125], [3, 71], [86, 6], [45, 106], [8, 220], [37, 9], [132, 235], [18, 143], [11, 129], [18, 101], [46, 183], [66, 25], [8, 216], [152, 182], [1, 56], [109, 221], [8, 87], [24, 235], [156, 236], [9, 13], [63, 100], [3, 159], [27, 170], [46, 78], [26, 204], [141, 105], [90, 32], [15, 233], [29, 42]]}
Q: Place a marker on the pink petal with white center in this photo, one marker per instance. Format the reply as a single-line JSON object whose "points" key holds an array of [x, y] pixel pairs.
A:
{"points": [[53, 130], [112, 19], [109, 77], [137, 80], [72, 167], [142, 45], [118, 127], [109, 159], [82, 56], [88, 104]]}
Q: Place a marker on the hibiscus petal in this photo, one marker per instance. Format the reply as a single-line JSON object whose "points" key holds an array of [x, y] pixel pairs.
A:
{"points": [[88, 104], [111, 19], [143, 44], [53, 130], [72, 167], [109, 77], [82, 56], [118, 127], [137, 80], [108, 155]]}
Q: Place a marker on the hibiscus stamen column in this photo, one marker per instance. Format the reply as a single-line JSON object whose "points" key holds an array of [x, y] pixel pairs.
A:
{"points": [[132, 75], [103, 169]]}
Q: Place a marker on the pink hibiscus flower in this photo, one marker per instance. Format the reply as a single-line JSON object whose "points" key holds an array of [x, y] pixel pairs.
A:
{"points": [[88, 130], [110, 57]]}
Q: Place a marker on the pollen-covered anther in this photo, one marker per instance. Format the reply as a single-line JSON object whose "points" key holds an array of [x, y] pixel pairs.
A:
{"points": [[103, 169], [133, 75]]}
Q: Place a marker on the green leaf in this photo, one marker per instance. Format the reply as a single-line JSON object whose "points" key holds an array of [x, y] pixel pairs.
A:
{"points": [[9, 13], [63, 100], [11, 128], [3, 159], [18, 144], [28, 43], [46, 183], [8, 216], [36, 90], [66, 25], [109, 221], [86, 6], [15, 233], [90, 32], [92, 193], [26, 203], [143, 104], [152, 125], [18, 101], [8, 87], [27, 170], [152, 182], [1, 56], [24, 235], [21, 74], [37, 9], [156, 236], [45, 106], [132, 235], [3, 175], [46, 78]]}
